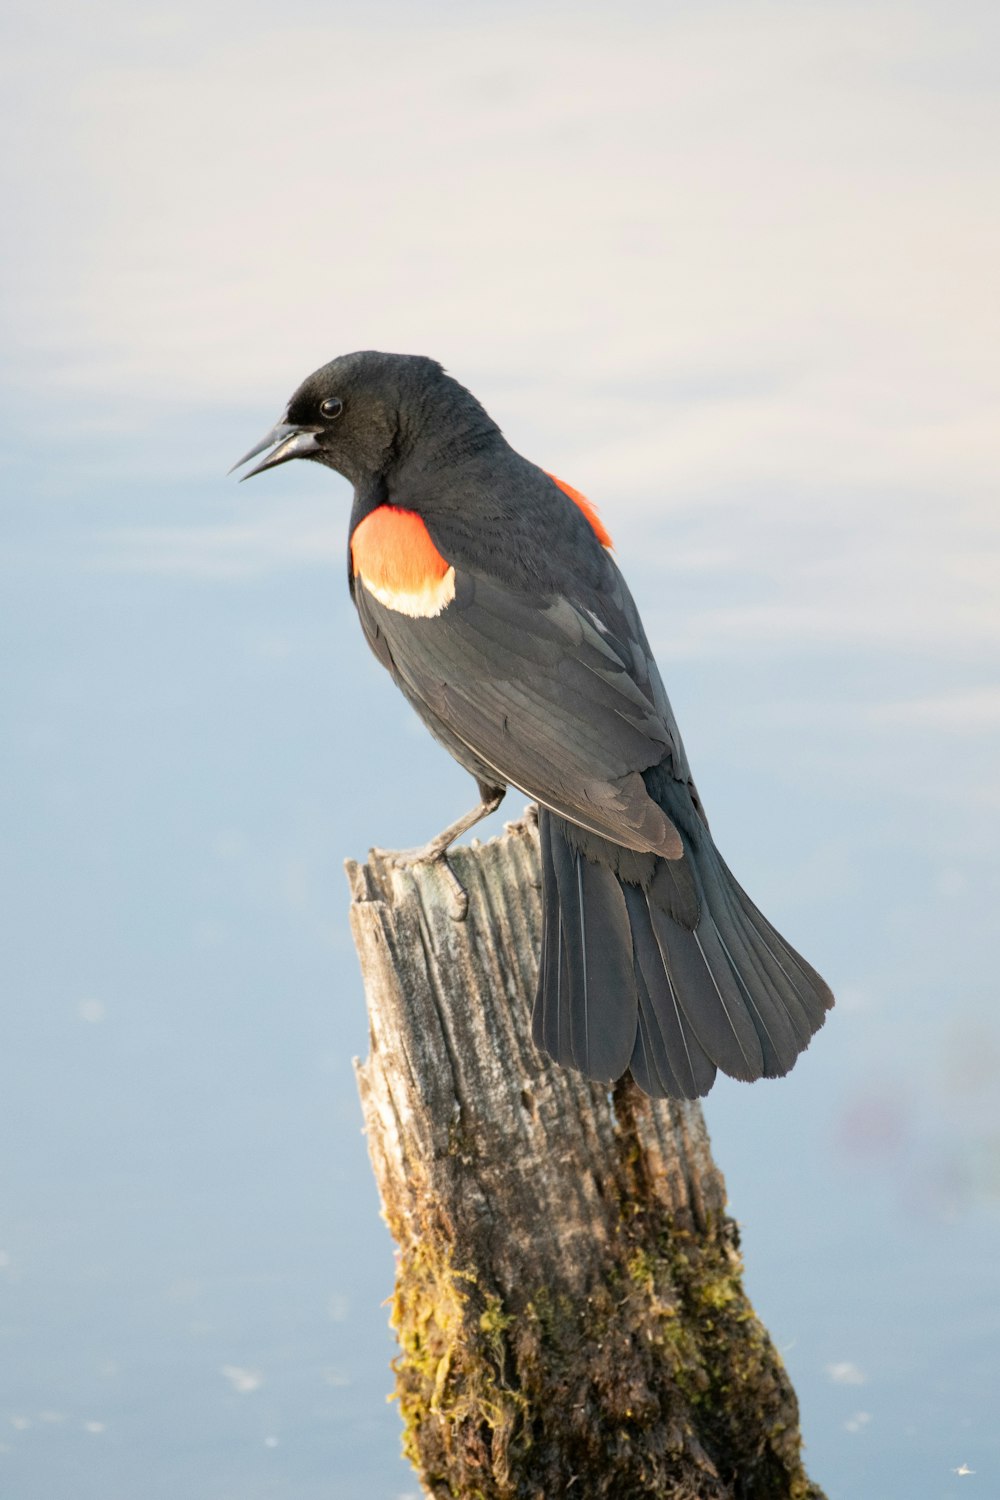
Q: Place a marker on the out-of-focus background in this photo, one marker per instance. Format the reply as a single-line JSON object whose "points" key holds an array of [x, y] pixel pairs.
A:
{"points": [[731, 270]]}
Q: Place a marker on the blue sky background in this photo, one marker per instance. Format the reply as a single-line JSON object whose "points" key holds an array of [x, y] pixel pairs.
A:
{"points": [[732, 271]]}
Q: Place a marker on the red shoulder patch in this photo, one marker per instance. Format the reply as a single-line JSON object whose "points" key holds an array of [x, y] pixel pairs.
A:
{"points": [[392, 549], [393, 555], [589, 510]]}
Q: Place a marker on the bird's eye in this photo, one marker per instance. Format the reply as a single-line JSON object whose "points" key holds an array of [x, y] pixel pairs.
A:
{"points": [[332, 406]]}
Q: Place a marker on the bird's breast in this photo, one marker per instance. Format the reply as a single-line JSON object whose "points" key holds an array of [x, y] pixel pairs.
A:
{"points": [[393, 556]]}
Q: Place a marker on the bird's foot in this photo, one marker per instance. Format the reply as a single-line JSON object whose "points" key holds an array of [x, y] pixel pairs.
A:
{"points": [[436, 851], [433, 853]]}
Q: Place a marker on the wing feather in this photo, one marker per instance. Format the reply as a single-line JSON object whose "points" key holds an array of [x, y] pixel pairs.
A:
{"points": [[542, 694]]}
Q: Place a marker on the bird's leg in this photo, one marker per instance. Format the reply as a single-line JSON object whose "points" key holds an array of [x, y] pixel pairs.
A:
{"points": [[490, 798]]}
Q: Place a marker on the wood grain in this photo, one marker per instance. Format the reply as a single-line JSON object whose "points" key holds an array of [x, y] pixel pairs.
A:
{"points": [[569, 1301]]}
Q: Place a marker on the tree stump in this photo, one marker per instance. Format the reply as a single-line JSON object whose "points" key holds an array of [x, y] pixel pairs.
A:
{"points": [[568, 1302]]}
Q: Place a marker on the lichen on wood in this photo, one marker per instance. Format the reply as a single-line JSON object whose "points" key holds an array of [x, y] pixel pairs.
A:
{"points": [[569, 1304]]}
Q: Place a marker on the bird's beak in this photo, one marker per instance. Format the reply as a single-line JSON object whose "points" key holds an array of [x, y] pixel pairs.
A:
{"points": [[291, 441]]}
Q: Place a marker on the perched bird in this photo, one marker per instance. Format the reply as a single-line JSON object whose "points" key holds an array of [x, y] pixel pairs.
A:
{"points": [[487, 588]]}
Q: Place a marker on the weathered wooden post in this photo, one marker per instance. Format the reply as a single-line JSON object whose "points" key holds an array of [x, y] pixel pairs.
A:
{"points": [[568, 1300]]}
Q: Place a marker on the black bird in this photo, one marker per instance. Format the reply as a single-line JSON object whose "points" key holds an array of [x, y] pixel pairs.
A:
{"points": [[487, 588]]}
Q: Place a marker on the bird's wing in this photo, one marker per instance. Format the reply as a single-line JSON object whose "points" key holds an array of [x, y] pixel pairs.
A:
{"points": [[557, 697]]}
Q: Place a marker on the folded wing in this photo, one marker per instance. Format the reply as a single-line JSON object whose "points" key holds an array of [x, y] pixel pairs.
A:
{"points": [[558, 698]]}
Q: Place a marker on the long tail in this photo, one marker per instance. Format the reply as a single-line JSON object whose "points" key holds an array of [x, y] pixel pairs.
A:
{"points": [[672, 976]]}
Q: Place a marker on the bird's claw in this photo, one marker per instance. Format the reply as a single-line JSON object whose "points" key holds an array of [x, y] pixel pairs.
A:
{"points": [[405, 859]]}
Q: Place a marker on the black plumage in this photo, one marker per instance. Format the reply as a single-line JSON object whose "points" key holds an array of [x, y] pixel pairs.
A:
{"points": [[522, 650]]}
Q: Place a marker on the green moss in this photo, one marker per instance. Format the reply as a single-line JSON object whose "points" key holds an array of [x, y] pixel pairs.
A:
{"points": [[554, 1316], [444, 1370], [641, 1268], [494, 1320], [719, 1292], [483, 1383], [719, 1355]]}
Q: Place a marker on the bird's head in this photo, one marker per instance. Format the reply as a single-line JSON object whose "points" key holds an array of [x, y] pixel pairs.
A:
{"points": [[364, 414]]}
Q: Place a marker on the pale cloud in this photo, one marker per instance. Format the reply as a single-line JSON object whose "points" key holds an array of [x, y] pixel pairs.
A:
{"points": [[242, 1380], [958, 712], [845, 1372], [286, 536]]}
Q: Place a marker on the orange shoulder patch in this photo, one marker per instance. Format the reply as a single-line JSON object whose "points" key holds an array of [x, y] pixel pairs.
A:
{"points": [[393, 555], [589, 510]]}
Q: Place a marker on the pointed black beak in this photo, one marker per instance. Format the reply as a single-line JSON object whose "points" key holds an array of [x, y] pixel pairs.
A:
{"points": [[291, 441]]}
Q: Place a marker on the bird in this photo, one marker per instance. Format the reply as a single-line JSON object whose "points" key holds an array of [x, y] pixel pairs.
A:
{"points": [[489, 590]]}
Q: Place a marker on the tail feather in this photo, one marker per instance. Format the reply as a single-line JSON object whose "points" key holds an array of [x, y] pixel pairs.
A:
{"points": [[673, 979], [795, 987], [780, 1041], [772, 1002], [596, 942], [545, 1017], [650, 1066], [811, 992], [641, 1064], [678, 1055], [708, 994]]}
